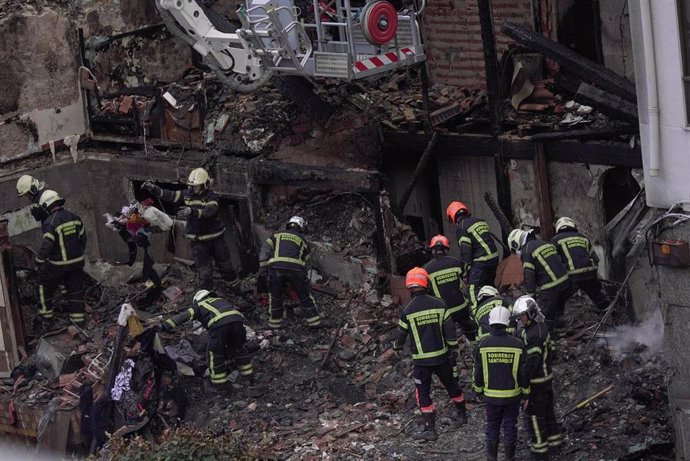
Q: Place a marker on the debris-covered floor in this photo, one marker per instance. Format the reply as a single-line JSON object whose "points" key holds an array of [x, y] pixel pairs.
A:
{"points": [[316, 397]]}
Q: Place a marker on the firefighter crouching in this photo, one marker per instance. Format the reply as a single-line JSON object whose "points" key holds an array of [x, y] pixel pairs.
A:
{"points": [[226, 334], [580, 260], [541, 417], [445, 277], [499, 374], [425, 319], [60, 258], [283, 260], [33, 189], [204, 229], [546, 277]]}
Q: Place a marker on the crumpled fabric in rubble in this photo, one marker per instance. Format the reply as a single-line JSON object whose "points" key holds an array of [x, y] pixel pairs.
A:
{"points": [[126, 311], [122, 381], [182, 352]]}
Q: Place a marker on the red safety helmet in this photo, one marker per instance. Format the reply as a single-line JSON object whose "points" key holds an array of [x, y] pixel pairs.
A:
{"points": [[417, 277], [439, 240], [454, 208]]}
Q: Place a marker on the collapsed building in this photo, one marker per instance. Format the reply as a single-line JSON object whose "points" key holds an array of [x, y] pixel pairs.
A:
{"points": [[102, 97]]}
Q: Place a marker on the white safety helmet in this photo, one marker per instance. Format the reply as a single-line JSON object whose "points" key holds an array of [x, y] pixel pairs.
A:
{"points": [[297, 221], [201, 294], [517, 239], [499, 315], [526, 305], [486, 291], [564, 222], [48, 198], [198, 177], [27, 184]]}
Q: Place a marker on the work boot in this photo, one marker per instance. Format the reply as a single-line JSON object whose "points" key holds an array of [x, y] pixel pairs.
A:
{"points": [[429, 431], [491, 450], [460, 416], [509, 449]]}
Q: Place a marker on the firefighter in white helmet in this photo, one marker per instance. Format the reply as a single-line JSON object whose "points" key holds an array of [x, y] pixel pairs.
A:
{"points": [[60, 258], [283, 260], [500, 374], [542, 421], [199, 206], [32, 188], [580, 260]]}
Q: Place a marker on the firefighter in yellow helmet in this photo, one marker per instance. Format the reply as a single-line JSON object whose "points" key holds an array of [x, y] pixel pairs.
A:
{"points": [[199, 206], [33, 189]]}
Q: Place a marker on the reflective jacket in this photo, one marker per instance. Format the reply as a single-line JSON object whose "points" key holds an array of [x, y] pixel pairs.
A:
{"points": [[576, 251], [285, 250], [539, 346], [499, 369], [425, 319], [481, 314], [203, 224], [211, 312], [64, 240], [476, 244], [543, 267], [445, 282]]}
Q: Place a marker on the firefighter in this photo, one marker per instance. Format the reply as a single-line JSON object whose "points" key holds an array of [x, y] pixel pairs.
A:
{"points": [[477, 248], [581, 260], [60, 258], [32, 188], [544, 271], [487, 299], [283, 260], [425, 319], [226, 334], [204, 228], [445, 276], [499, 374], [541, 417]]}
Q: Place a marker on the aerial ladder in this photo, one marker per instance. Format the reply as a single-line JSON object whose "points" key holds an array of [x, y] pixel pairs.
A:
{"points": [[275, 37]]}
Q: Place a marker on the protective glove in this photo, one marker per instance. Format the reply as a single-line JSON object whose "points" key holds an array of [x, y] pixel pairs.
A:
{"points": [[151, 188], [163, 327], [184, 212]]}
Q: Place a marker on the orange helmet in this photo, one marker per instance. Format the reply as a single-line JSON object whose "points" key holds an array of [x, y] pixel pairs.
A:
{"points": [[454, 208], [417, 277], [439, 240]]}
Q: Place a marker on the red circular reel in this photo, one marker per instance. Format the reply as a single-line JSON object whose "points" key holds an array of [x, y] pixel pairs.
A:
{"points": [[379, 22]]}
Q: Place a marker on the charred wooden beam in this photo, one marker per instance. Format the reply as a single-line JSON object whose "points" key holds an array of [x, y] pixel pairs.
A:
{"points": [[572, 61], [418, 171], [606, 103], [398, 144], [314, 177], [584, 134], [486, 21], [541, 185]]}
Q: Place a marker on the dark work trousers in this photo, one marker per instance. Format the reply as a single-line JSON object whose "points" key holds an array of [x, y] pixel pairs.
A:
{"points": [[540, 419], [277, 280], [204, 251], [49, 278], [227, 342], [422, 380], [464, 320], [480, 275], [592, 287], [505, 416], [552, 301]]}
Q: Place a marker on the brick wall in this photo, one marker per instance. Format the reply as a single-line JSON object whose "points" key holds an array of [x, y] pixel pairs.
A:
{"points": [[454, 41]]}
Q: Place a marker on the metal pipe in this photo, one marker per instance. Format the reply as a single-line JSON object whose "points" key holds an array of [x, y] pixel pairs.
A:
{"points": [[652, 88]]}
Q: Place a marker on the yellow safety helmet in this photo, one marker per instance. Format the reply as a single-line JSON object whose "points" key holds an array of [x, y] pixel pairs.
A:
{"points": [[50, 197], [198, 177], [27, 184]]}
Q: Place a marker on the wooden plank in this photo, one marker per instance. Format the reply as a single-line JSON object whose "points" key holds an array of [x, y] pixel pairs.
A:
{"points": [[541, 185]]}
